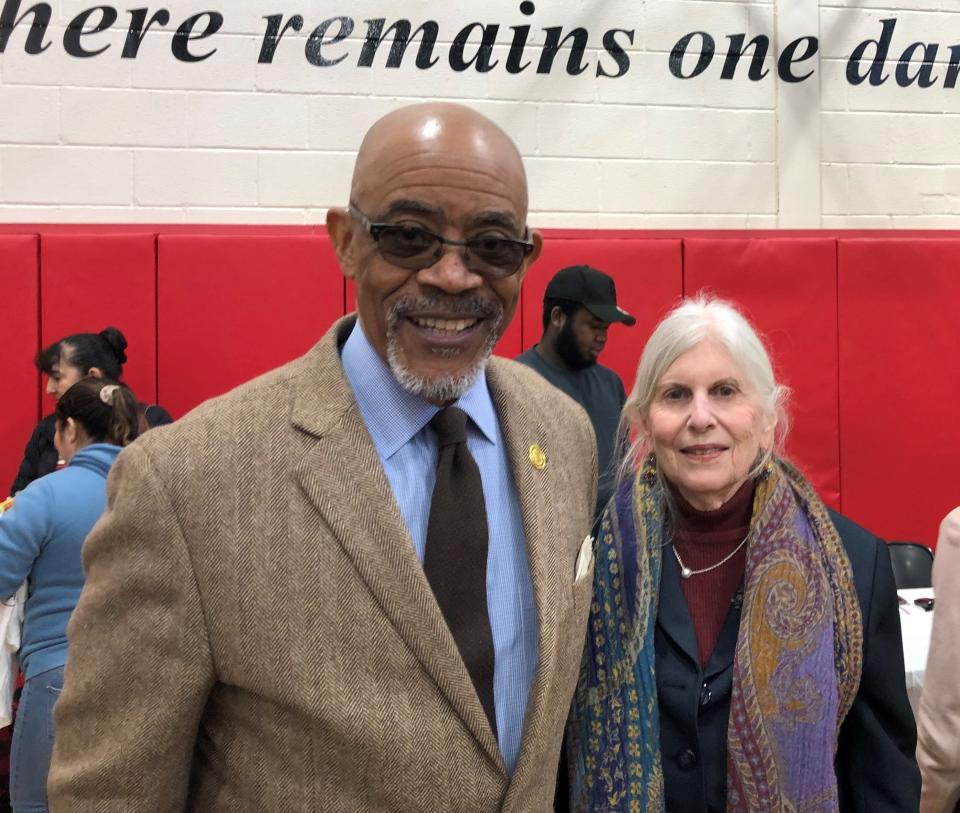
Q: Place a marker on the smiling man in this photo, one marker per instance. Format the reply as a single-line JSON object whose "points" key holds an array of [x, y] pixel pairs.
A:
{"points": [[360, 582]]}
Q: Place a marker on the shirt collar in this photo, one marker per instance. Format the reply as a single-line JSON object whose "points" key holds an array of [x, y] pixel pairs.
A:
{"points": [[392, 415]]}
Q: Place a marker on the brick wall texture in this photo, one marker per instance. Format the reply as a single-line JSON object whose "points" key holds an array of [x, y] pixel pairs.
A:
{"points": [[102, 121]]}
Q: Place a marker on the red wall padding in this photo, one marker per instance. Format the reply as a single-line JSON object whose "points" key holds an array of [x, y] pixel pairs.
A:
{"points": [[863, 330], [91, 281], [900, 383], [649, 282], [19, 337], [787, 288], [232, 307], [511, 342]]}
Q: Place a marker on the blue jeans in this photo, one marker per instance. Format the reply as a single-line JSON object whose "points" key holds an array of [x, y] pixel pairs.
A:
{"points": [[33, 742]]}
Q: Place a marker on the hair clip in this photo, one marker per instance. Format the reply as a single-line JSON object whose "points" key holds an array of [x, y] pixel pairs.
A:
{"points": [[106, 394]]}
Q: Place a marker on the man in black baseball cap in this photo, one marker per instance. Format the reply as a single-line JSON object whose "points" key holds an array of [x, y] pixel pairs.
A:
{"points": [[579, 305], [591, 288]]}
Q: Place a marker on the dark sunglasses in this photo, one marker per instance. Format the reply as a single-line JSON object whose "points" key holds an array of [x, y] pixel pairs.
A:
{"points": [[415, 248]]}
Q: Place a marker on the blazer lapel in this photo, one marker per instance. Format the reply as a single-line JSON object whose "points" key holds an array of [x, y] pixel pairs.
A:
{"points": [[726, 647], [538, 493], [343, 478], [674, 620], [673, 617]]}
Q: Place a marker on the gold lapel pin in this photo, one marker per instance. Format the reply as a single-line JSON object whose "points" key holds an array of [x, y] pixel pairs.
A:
{"points": [[538, 458]]}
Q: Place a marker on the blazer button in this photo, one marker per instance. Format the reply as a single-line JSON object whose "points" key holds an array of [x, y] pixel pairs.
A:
{"points": [[686, 759], [705, 695]]}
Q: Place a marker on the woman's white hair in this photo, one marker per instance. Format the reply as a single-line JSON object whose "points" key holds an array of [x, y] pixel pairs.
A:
{"points": [[695, 320]]}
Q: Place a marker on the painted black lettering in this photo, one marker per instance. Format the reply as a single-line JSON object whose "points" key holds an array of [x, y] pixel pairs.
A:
{"points": [[139, 26], [515, 63], [620, 56], [736, 49], [875, 73], [788, 58], [484, 51], [318, 38], [553, 44], [521, 33], [923, 75], [76, 29], [38, 26], [276, 28], [679, 51], [953, 67], [402, 37], [184, 36]]}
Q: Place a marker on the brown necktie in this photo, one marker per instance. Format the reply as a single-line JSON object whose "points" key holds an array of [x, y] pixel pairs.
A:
{"points": [[455, 560]]}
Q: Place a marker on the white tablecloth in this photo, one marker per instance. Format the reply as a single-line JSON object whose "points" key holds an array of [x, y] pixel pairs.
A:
{"points": [[915, 626]]}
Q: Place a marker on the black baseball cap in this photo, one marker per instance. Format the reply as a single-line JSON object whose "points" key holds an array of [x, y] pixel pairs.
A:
{"points": [[593, 289]]}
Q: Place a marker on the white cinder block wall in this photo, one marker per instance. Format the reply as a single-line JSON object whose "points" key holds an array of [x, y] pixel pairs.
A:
{"points": [[232, 139]]}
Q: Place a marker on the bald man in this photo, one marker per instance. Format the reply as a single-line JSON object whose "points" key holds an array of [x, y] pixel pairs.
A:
{"points": [[359, 582]]}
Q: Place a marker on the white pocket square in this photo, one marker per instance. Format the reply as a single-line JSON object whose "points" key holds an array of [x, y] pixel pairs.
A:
{"points": [[584, 559]]}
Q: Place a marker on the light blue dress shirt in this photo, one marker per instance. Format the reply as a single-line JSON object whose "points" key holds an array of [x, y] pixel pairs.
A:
{"points": [[407, 447]]}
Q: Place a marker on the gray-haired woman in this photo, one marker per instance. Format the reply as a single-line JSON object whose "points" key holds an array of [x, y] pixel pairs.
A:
{"points": [[743, 649]]}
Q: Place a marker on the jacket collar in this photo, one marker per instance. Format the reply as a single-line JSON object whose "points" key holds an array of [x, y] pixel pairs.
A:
{"points": [[95, 457], [392, 414]]}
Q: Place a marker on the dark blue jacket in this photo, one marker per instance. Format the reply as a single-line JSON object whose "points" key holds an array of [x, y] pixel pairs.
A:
{"points": [[875, 763]]}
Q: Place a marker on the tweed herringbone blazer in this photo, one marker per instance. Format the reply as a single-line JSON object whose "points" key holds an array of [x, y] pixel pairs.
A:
{"points": [[256, 632]]}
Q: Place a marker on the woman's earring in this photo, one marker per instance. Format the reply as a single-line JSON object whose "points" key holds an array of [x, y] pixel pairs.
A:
{"points": [[649, 470]]}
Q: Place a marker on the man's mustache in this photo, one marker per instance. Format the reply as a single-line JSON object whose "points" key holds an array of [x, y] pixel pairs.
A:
{"points": [[467, 305]]}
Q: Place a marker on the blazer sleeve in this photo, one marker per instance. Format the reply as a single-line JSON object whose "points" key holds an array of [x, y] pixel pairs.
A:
{"points": [[938, 720], [876, 763], [140, 668]]}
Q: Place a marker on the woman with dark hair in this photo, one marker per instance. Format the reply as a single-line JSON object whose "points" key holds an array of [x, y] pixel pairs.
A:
{"points": [[743, 646], [41, 537], [101, 355]]}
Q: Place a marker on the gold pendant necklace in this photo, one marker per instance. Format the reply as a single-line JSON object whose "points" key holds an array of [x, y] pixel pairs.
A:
{"points": [[686, 572]]}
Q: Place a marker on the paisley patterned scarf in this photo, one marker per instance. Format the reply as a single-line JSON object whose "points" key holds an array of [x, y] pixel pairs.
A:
{"points": [[796, 667]]}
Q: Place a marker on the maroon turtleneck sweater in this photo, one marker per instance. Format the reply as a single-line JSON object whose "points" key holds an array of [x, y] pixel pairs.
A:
{"points": [[703, 538]]}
